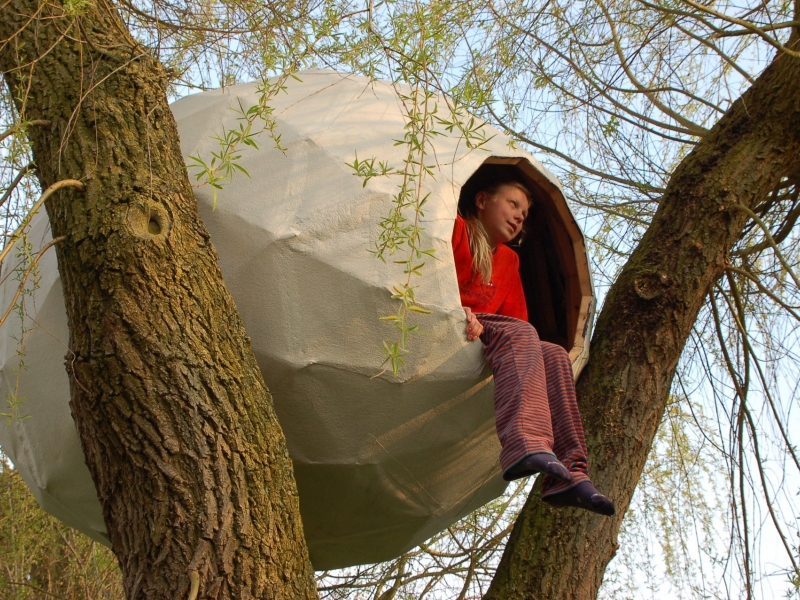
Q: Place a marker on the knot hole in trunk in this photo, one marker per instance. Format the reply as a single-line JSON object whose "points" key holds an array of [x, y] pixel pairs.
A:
{"points": [[149, 221]]}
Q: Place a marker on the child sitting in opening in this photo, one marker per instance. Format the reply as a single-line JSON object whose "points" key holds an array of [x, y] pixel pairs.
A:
{"points": [[536, 412]]}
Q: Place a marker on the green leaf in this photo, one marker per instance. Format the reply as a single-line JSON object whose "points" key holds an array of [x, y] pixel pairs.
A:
{"points": [[418, 309], [240, 168]]}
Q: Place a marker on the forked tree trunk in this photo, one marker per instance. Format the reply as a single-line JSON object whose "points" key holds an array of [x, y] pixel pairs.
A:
{"points": [[177, 426], [640, 334]]}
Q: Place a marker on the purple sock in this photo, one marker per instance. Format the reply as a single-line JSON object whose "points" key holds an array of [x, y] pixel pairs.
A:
{"points": [[540, 462], [582, 495]]}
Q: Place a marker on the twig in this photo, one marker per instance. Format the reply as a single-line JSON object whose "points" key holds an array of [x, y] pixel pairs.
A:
{"points": [[194, 579], [38, 589], [18, 126], [35, 208], [21, 286], [23, 171]]}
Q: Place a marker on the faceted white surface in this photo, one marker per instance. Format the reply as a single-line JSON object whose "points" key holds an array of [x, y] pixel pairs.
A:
{"points": [[381, 464]]}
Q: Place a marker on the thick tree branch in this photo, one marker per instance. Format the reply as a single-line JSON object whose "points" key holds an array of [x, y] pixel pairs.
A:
{"points": [[647, 318], [177, 426]]}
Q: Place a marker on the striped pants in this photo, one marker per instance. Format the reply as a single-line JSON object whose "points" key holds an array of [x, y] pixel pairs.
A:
{"points": [[534, 398]]}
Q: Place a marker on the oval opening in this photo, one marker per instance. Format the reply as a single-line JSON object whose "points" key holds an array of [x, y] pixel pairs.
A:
{"points": [[553, 264]]}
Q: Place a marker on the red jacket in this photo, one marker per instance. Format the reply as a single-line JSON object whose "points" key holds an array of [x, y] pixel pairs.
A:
{"points": [[504, 295]]}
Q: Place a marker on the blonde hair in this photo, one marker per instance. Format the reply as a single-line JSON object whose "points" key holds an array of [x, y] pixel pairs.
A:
{"points": [[480, 249], [478, 238]]}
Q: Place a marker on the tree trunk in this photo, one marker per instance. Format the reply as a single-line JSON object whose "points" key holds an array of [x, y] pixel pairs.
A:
{"points": [[177, 425], [647, 318]]}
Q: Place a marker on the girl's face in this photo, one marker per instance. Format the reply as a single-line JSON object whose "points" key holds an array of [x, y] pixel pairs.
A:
{"points": [[502, 213]]}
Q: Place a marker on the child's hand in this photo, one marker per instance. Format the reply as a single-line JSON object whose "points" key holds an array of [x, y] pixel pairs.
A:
{"points": [[474, 327]]}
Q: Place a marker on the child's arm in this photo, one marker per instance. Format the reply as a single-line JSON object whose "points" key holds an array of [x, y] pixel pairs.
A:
{"points": [[474, 327]]}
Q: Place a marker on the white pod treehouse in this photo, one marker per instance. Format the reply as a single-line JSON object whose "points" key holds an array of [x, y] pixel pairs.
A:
{"points": [[381, 463]]}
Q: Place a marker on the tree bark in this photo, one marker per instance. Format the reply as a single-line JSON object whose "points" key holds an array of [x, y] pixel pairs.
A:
{"points": [[645, 323], [176, 423]]}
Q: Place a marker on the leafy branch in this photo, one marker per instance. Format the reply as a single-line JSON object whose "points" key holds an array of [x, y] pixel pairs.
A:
{"points": [[401, 229], [219, 170]]}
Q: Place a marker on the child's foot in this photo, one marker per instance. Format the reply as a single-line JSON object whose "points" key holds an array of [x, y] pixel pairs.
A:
{"points": [[583, 495], [540, 462]]}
